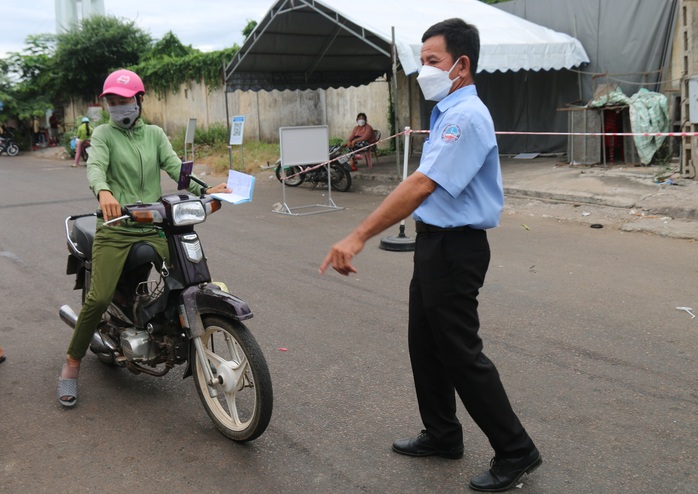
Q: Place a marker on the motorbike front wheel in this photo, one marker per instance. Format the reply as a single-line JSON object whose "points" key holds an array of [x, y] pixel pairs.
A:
{"points": [[242, 409], [293, 174], [12, 149], [341, 178]]}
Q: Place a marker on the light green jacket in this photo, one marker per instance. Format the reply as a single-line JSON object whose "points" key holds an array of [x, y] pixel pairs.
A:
{"points": [[82, 133], [128, 162]]}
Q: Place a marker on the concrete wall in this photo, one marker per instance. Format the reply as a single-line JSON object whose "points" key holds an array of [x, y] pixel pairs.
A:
{"points": [[265, 111]]}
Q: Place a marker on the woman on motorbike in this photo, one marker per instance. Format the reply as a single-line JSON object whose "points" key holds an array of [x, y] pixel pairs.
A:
{"points": [[123, 168], [83, 136]]}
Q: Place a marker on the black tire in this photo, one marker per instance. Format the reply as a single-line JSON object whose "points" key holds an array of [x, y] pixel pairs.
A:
{"points": [[341, 178], [242, 410], [84, 155], [294, 172], [12, 149]]}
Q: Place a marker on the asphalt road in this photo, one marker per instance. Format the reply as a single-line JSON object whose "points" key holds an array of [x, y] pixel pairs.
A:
{"points": [[582, 324]]}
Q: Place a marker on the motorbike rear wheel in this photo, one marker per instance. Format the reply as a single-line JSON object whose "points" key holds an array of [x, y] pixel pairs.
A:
{"points": [[242, 410], [294, 172], [12, 149], [341, 178]]}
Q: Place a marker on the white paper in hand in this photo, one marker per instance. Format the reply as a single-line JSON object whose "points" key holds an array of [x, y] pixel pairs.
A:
{"points": [[242, 186]]}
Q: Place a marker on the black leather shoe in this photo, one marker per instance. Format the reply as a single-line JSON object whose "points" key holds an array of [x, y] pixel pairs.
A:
{"points": [[422, 445], [505, 472]]}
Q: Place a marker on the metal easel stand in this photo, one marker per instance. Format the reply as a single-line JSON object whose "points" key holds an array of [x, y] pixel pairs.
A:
{"points": [[401, 242], [324, 208]]}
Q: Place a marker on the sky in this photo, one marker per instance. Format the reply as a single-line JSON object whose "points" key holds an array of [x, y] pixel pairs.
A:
{"points": [[205, 24]]}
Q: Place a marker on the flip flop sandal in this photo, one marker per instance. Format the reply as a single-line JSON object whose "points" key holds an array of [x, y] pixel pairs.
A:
{"points": [[2, 359], [68, 387]]}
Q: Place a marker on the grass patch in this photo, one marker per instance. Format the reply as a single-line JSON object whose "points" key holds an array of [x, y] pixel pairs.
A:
{"points": [[211, 148]]}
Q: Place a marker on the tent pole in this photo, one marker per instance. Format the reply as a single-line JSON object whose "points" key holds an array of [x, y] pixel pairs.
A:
{"points": [[227, 120], [393, 53]]}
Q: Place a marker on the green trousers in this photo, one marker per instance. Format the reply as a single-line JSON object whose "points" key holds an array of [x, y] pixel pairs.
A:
{"points": [[109, 252]]}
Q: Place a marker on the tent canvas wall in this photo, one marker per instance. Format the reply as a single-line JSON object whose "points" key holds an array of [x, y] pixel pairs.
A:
{"points": [[630, 40]]}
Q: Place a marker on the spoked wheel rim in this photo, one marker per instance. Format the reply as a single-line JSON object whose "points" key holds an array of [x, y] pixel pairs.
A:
{"points": [[240, 399], [236, 402]]}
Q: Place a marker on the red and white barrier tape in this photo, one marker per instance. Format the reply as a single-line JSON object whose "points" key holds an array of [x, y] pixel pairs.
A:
{"points": [[576, 134], [591, 134]]}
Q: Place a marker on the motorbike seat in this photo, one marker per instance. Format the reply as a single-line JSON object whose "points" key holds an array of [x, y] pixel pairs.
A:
{"points": [[84, 234]]}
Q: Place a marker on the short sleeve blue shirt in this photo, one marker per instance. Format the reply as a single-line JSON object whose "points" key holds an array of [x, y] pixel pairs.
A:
{"points": [[462, 157]]}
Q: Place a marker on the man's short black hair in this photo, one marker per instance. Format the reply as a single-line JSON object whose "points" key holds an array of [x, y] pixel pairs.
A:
{"points": [[461, 39]]}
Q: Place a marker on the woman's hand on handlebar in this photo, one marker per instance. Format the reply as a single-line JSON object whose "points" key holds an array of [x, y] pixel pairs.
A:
{"points": [[109, 205], [221, 188]]}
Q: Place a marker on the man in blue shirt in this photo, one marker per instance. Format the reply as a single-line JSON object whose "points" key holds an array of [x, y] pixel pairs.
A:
{"points": [[455, 195]]}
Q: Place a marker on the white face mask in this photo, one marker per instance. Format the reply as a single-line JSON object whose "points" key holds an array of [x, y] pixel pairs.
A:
{"points": [[434, 82], [124, 115], [361, 122]]}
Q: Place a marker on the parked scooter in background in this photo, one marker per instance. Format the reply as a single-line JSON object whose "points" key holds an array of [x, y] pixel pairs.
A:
{"points": [[8, 144], [339, 172]]}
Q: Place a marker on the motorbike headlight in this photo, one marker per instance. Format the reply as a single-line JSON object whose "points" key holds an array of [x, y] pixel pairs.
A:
{"points": [[188, 213]]}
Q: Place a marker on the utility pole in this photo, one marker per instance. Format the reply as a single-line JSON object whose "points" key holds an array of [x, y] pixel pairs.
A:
{"points": [[689, 85]]}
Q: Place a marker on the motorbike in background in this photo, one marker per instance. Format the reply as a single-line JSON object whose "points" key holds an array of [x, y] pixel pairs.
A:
{"points": [[340, 176], [8, 144], [85, 153], [169, 314]]}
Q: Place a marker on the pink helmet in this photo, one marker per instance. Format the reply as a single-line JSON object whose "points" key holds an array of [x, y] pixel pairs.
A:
{"points": [[124, 83]]}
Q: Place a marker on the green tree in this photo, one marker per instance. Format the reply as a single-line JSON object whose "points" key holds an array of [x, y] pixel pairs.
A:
{"points": [[249, 28], [25, 75], [86, 54], [170, 47]]}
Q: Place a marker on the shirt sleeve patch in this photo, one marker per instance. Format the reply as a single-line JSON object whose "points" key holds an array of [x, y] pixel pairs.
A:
{"points": [[451, 133]]}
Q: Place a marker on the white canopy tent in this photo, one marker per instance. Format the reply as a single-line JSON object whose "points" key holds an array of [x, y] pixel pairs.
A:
{"points": [[310, 44], [507, 42]]}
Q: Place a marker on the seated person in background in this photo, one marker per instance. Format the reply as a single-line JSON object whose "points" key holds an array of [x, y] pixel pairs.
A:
{"points": [[361, 136]]}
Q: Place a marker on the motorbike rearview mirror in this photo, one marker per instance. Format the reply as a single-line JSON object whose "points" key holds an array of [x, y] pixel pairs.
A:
{"points": [[185, 175]]}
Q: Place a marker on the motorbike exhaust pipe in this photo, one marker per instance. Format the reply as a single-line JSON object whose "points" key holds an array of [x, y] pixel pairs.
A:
{"points": [[68, 316]]}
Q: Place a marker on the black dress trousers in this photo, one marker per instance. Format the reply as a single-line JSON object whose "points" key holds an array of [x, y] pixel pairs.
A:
{"points": [[445, 348]]}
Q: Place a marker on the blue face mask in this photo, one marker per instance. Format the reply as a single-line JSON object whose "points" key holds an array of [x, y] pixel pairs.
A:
{"points": [[125, 115]]}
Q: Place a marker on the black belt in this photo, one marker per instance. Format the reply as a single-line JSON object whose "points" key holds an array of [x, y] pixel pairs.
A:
{"points": [[425, 228]]}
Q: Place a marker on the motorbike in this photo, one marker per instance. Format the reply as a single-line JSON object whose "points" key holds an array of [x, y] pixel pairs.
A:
{"points": [[85, 153], [174, 314], [340, 176], [8, 144]]}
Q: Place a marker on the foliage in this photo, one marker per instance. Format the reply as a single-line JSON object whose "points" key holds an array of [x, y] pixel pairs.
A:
{"points": [[87, 53], [167, 74], [249, 28], [169, 46], [23, 77]]}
